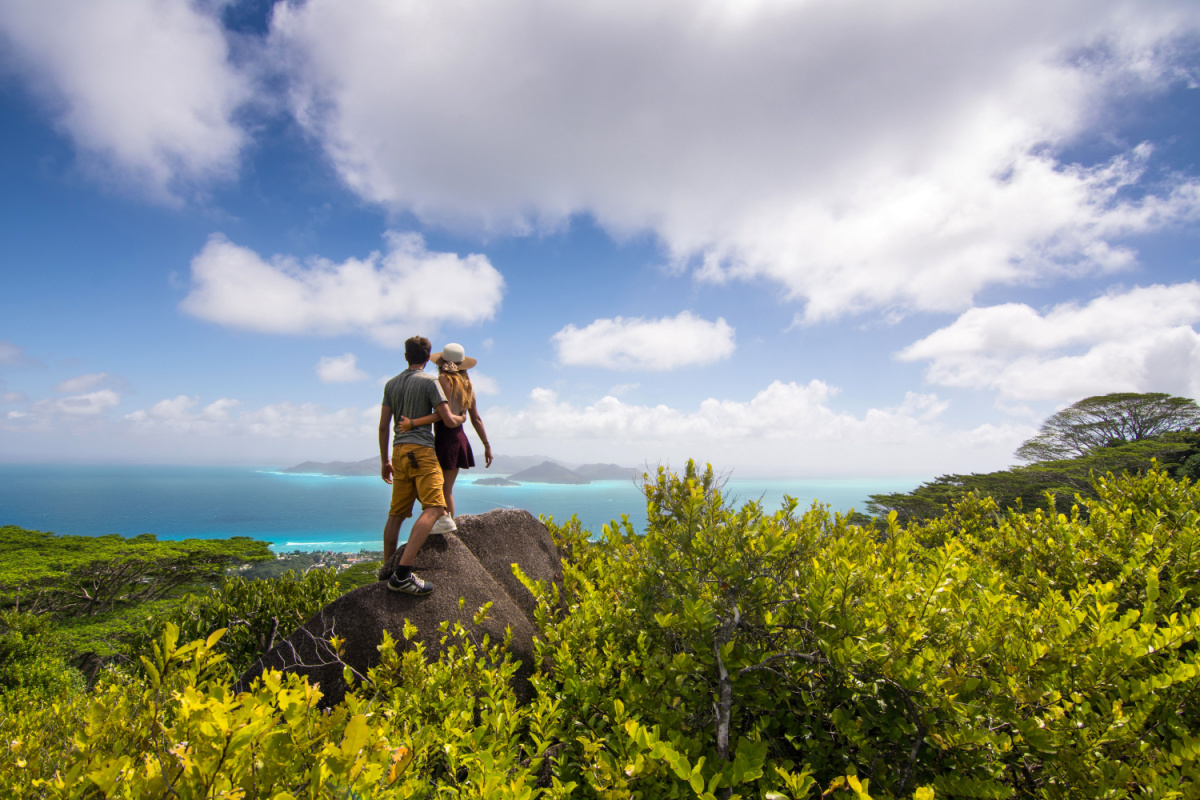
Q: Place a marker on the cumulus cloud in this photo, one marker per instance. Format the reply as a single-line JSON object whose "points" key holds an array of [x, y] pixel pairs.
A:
{"points": [[340, 369], [143, 87], [646, 344], [484, 384], [184, 415], [388, 296], [175, 413], [1137, 340], [82, 412], [785, 427], [782, 411], [860, 159], [82, 383], [90, 404]]}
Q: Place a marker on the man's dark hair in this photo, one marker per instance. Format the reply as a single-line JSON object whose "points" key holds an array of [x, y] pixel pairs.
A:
{"points": [[417, 350]]}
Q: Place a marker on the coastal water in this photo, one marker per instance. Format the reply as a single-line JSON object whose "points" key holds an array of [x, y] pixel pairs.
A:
{"points": [[314, 512]]}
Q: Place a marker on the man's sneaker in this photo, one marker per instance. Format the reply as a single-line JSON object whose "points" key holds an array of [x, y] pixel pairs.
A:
{"points": [[410, 585], [444, 525]]}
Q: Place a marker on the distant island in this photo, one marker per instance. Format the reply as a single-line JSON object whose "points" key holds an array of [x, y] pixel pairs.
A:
{"points": [[495, 482], [369, 466], [519, 469], [548, 472], [607, 472]]}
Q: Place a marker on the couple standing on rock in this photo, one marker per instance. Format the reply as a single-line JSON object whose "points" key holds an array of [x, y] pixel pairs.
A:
{"points": [[423, 466]]}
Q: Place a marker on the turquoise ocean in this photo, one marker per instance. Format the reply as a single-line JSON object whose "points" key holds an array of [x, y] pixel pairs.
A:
{"points": [[317, 512]]}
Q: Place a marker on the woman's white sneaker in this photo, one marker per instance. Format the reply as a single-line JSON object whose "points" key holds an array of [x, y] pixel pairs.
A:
{"points": [[444, 525]]}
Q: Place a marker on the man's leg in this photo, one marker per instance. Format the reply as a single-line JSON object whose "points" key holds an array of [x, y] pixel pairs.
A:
{"points": [[391, 534], [420, 532], [427, 483], [404, 494]]}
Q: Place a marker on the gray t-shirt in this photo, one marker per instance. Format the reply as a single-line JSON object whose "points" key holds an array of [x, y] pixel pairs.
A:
{"points": [[413, 394]]}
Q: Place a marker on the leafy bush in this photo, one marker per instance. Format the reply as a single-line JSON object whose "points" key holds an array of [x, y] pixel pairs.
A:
{"points": [[981, 655], [256, 614], [31, 662], [724, 653]]}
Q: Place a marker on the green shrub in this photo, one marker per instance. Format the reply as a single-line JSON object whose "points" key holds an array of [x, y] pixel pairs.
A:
{"points": [[31, 662], [725, 652], [255, 613], [981, 655]]}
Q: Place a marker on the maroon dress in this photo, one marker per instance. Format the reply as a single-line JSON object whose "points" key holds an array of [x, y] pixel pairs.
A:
{"points": [[452, 447]]}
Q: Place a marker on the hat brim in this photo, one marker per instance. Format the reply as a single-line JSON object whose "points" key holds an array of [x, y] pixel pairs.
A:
{"points": [[466, 363]]}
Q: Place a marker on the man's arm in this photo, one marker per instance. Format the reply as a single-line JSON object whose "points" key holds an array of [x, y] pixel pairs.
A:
{"points": [[448, 419], [385, 430], [407, 424]]}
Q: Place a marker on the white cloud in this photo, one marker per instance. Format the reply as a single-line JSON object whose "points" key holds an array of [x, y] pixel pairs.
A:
{"points": [[484, 385], [13, 397], [176, 413], [286, 420], [143, 87], [389, 297], [646, 344], [781, 411], [82, 383], [90, 404], [1138, 340], [340, 369], [861, 158], [786, 428]]}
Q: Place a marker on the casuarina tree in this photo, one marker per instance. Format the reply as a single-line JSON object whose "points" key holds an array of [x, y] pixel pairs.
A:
{"points": [[1108, 420]]}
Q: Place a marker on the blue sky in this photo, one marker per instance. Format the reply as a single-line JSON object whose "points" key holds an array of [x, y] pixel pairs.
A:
{"points": [[791, 238]]}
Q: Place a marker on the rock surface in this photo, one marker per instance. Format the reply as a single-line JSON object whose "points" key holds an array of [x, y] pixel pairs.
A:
{"points": [[474, 564]]}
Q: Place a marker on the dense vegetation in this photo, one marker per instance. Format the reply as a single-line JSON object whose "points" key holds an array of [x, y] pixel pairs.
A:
{"points": [[725, 652], [96, 592], [1109, 420], [1117, 433]]}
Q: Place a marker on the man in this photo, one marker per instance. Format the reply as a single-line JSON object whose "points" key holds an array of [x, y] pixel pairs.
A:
{"points": [[413, 469]]}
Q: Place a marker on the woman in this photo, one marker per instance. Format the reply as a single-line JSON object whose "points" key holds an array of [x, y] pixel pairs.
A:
{"points": [[451, 444]]}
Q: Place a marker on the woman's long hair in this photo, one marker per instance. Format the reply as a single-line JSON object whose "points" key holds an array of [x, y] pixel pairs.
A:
{"points": [[460, 384]]}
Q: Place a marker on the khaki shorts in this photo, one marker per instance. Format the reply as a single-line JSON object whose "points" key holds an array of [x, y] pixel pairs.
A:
{"points": [[416, 475]]}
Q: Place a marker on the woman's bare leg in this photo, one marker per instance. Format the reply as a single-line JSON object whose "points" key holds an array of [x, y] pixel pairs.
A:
{"points": [[448, 476]]}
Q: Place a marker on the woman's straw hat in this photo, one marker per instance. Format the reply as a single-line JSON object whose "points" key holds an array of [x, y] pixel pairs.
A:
{"points": [[455, 354]]}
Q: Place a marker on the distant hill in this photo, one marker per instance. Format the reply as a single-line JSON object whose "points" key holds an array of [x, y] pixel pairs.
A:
{"points": [[548, 472], [502, 465], [606, 472], [529, 469], [369, 466], [507, 465]]}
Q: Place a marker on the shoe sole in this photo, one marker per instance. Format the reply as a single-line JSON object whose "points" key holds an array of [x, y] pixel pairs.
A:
{"points": [[414, 591]]}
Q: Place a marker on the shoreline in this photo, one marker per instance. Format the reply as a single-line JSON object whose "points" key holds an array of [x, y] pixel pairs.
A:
{"points": [[313, 512]]}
